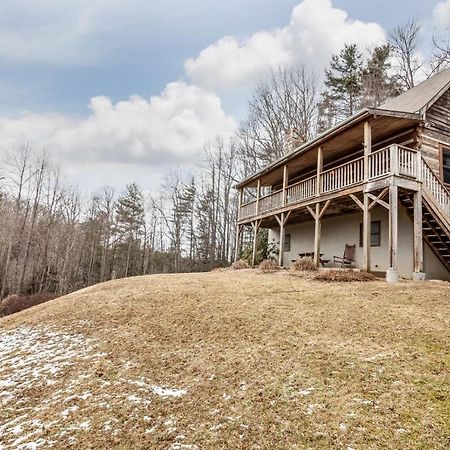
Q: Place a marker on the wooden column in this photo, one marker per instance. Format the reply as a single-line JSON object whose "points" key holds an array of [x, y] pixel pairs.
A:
{"points": [[285, 183], [258, 194], [319, 170], [367, 228], [393, 154], [392, 274], [281, 246], [317, 232], [237, 250], [367, 147], [418, 238], [255, 226]]}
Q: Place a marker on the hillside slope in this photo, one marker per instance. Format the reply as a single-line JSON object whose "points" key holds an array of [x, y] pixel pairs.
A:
{"points": [[229, 360]]}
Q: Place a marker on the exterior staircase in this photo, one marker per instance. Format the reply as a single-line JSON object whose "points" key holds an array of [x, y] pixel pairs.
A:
{"points": [[435, 232], [435, 212]]}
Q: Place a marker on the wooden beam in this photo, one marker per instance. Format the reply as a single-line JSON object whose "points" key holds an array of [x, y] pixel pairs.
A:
{"points": [[281, 246], [367, 225], [418, 236], [237, 250], [393, 154], [255, 226], [319, 169], [367, 147], [258, 194], [311, 210], [378, 199], [285, 183], [357, 201], [317, 232], [393, 227], [325, 207]]}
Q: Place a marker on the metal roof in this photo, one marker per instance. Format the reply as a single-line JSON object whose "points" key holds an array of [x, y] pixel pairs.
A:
{"points": [[420, 97], [409, 105]]}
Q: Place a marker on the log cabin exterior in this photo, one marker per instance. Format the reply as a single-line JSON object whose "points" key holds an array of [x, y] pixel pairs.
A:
{"points": [[379, 180]]}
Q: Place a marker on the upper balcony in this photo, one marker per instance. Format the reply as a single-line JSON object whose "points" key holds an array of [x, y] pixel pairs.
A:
{"points": [[344, 179]]}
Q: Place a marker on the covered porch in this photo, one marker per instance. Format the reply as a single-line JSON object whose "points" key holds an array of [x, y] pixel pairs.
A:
{"points": [[336, 178]]}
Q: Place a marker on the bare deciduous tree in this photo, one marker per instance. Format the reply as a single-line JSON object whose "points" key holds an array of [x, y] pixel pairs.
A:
{"points": [[405, 42]]}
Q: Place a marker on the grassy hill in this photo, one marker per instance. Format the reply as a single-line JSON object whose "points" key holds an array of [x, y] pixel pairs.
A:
{"points": [[232, 359]]}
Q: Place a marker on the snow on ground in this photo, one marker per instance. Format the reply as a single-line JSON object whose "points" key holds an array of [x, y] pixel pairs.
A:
{"points": [[45, 398]]}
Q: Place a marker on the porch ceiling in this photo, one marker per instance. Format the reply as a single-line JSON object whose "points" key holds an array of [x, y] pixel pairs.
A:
{"points": [[346, 143]]}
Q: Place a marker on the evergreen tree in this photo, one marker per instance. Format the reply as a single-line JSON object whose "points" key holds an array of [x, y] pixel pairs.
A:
{"points": [[129, 221], [344, 83], [377, 84]]}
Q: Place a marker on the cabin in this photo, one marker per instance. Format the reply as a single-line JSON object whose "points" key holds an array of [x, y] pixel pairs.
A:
{"points": [[371, 193]]}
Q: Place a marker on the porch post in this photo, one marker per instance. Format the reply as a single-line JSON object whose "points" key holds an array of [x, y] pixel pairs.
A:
{"points": [[319, 170], [317, 231], [255, 226], [285, 183], [237, 250], [258, 194], [418, 274], [281, 247], [367, 226], [392, 272], [367, 147]]}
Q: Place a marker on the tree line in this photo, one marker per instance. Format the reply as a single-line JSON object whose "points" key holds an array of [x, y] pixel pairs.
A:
{"points": [[53, 240]]}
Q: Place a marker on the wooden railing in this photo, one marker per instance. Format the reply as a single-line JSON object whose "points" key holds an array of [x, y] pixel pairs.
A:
{"points": [[343, 176], [247, 210], [379, 163], [271, 201], [302, 190], [407, 162], [435, 187], [393, 160]]}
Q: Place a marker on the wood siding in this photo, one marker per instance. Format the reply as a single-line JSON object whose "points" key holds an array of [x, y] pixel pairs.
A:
{"points": [[436, 132]]}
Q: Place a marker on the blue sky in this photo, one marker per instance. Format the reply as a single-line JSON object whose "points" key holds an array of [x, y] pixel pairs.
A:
{"points": [[58, 55]]}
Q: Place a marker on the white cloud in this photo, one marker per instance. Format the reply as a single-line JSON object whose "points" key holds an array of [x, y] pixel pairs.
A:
{"points": [[169, 128], [316, 30], [441, 14]]}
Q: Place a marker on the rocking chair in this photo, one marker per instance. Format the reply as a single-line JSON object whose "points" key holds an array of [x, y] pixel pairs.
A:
{"points": [[348, 257]]}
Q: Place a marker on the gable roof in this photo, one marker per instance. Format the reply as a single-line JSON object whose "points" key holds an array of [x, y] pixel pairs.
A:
{"points": [[410, 105], [420, 97]]}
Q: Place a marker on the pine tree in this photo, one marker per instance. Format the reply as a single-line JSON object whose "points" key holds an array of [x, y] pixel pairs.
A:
{"points": [[129, 221], [344, 83], [378, 85]]}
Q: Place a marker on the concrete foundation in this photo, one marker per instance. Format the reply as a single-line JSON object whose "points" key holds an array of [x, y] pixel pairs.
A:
{"points": [[418, 276], [392, 275]]}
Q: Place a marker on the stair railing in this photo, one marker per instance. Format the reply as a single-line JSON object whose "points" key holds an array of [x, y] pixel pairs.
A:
{"points": [[435, 187]]}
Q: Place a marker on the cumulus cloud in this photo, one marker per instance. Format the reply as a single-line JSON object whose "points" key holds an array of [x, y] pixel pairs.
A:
{"points": [[441, 14], [168, 128], [316, 30]]}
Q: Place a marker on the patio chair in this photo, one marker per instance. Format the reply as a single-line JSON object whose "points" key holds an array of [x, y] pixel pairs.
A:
{"points": [[348, 257]]}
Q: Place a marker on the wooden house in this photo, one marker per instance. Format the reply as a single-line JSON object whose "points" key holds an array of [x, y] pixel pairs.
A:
{"points": [[377, 183]]}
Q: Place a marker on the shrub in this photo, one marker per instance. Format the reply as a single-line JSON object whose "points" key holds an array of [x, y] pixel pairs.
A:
{"points": [[304, 264], [240, 264], [345, 275], [15, 303], [268, 265]]}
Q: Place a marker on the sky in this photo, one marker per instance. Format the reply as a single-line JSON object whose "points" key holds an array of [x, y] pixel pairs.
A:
{"points": [[126, 91]]}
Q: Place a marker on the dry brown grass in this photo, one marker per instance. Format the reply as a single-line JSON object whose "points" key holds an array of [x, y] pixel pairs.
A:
{"points": [[268, 362]]}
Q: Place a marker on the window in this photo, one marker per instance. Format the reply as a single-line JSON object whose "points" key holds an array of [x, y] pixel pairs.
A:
{"points": [[375, 234], [445, 165], [287, 242]]}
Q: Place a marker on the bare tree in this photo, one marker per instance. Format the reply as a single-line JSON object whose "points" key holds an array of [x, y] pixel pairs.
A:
{"points": [[282, 114], [441, 52], [405, 42]]}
